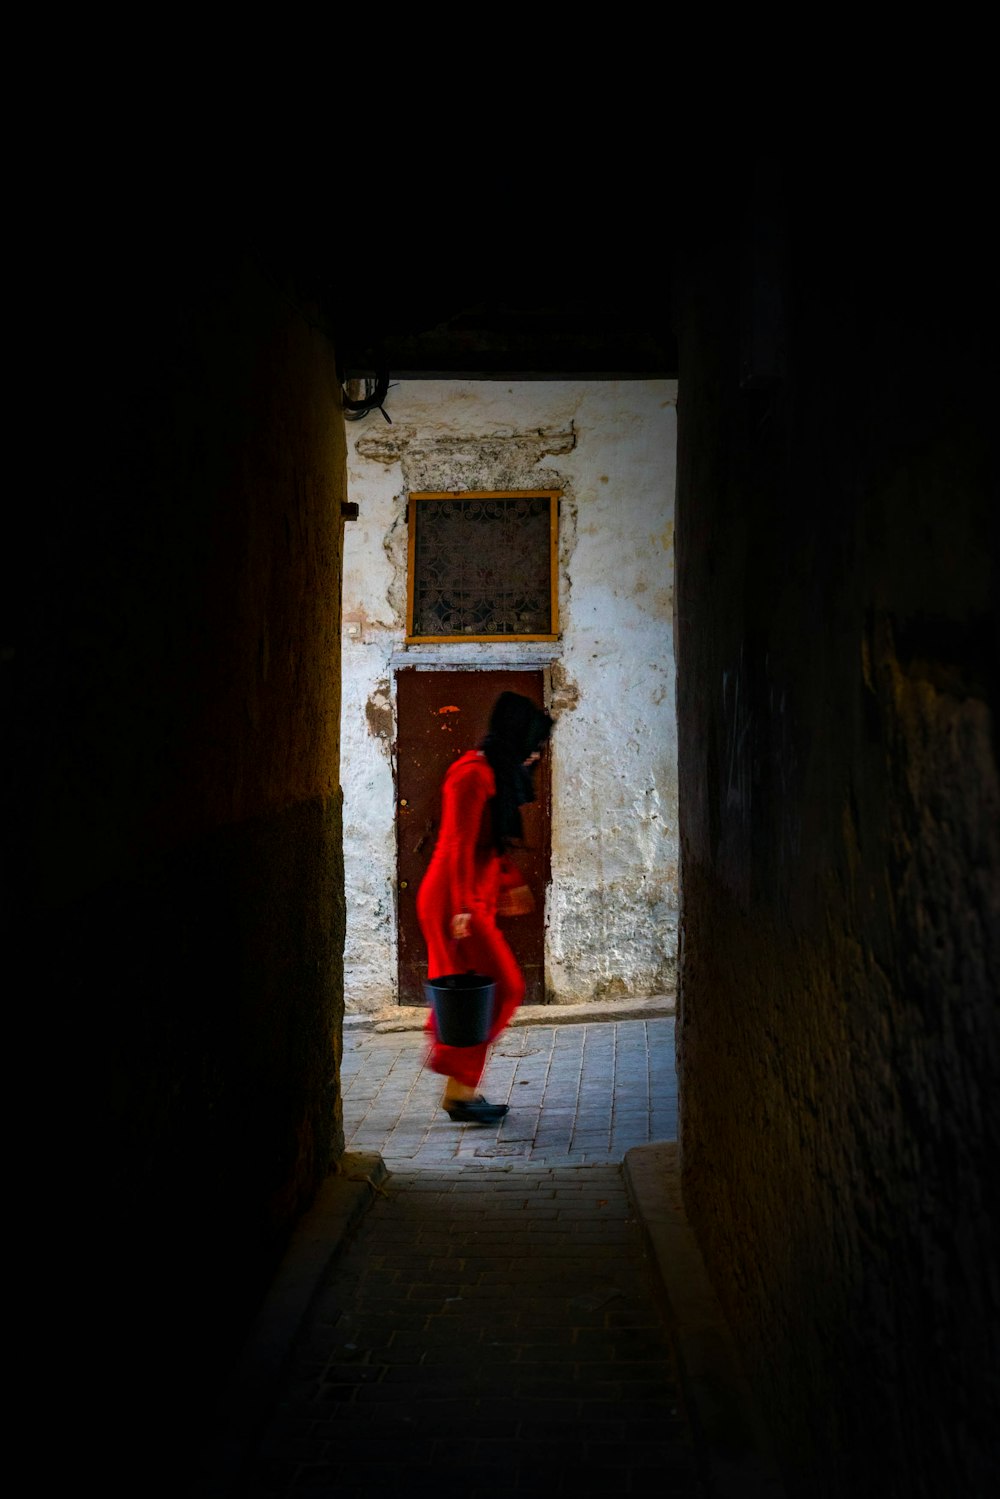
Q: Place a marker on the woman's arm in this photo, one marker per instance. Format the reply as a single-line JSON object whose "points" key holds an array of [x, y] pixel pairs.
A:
{"points": [[470, 792]]}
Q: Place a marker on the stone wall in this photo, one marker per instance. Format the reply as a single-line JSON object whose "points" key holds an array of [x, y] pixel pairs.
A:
{"points": [[839, 1030], [181, 883]]}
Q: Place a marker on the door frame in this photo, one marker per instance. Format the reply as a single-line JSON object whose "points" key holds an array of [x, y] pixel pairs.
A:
{"points": [[541, 670]]}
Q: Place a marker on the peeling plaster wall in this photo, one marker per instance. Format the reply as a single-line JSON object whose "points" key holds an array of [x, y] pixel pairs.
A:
{"points": [[610, 448]]}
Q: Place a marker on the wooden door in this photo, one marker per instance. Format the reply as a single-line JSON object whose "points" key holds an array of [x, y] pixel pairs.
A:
{"points": [[440, 715]]}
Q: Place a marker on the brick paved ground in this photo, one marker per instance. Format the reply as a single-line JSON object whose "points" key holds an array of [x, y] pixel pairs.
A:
{"points": [[480, 1309], [578, 1093], [488, 1330]]}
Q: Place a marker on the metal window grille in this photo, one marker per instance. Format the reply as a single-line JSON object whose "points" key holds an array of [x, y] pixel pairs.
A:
{"points": [[483, 565]]}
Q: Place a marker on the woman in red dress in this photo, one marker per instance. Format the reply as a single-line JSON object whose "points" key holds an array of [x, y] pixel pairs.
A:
{"points": [[481, 798]]}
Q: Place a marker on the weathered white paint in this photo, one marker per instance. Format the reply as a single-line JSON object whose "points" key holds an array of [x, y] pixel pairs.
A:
{"points": [[610, 447]]}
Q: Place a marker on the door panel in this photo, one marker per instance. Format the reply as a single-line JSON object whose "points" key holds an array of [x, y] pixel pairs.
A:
{"points": [[440, 715]]}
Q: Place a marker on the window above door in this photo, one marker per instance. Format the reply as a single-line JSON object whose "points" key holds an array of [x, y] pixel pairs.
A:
{"points": [[483, 565]]}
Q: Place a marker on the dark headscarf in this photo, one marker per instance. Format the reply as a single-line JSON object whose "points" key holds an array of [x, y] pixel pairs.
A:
{"points": [[517, 728]]}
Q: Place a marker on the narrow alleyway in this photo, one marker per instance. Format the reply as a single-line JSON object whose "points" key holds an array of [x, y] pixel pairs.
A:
{"points": [[490, 1314]]}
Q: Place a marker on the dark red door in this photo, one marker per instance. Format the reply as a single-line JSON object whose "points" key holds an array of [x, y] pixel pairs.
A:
{"points": [[439, 715]]}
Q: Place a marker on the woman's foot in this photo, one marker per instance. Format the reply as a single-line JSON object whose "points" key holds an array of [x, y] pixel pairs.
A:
{"points": [[456, 1092], [474, 1110]]}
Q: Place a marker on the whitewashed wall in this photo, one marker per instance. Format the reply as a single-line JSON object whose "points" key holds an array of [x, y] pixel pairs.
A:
{"points": [[610, 447]]}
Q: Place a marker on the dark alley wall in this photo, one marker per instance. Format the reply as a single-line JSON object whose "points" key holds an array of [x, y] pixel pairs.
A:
{"points": [[182, 876], [837, 574]]}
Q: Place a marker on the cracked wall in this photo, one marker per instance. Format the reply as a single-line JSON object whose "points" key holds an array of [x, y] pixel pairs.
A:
{"points": [[611, 909]]}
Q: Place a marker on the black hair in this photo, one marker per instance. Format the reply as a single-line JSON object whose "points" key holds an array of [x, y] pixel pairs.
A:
{"points": [[518, 727]]}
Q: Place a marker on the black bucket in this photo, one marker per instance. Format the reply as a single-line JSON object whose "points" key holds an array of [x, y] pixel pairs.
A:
{"points": [[463, 1007]]}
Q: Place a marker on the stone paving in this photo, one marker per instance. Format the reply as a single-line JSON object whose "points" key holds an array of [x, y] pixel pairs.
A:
{"points": [[517, 1308], [489, 1330], [581, 1094]]}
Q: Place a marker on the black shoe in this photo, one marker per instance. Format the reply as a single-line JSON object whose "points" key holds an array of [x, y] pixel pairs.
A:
{"points": [[475, 1111]]}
